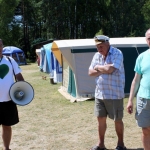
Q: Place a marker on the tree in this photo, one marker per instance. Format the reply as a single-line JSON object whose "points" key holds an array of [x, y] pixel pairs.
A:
{"points": [[71, 19], [7, 22], [146, 11]]}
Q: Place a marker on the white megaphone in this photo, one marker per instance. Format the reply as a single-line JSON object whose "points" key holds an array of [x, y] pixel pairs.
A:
{"points": [[21, 93]]}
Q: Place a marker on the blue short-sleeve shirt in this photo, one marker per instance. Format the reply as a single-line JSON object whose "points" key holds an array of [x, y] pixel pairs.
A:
{"points": [[142, 67]]}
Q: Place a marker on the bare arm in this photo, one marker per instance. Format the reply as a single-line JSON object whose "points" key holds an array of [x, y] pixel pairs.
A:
{"points": [[133, 90], [99, 69], [19, 77], [93, 72], [106, 69]]}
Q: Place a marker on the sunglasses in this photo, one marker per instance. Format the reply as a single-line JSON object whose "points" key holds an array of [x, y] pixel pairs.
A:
{"points": [[98, 39]]}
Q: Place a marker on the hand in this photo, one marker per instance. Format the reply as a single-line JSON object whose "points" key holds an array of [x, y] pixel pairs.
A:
{"points": [[96, 67], [130, 107], [108, 64]]}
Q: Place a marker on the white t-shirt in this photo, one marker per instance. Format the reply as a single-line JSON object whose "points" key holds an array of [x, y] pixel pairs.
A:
{"points": [[7, 77]]}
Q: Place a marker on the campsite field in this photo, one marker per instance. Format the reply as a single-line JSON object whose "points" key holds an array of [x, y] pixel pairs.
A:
{"points": [[50, 122]]}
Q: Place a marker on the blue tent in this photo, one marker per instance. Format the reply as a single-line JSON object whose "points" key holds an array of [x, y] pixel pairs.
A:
{"points": [[16, 53], [49, 64]]}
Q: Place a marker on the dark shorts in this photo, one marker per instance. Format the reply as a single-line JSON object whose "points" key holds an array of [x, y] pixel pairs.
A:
{"points": [[8, 113], [113, 108]]}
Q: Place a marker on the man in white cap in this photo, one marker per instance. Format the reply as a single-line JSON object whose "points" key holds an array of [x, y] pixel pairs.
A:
{"points": [[141, 86], [108, 69]]}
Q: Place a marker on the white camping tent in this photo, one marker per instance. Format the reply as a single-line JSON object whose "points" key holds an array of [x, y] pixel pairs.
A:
{"points": [[75, 56]]}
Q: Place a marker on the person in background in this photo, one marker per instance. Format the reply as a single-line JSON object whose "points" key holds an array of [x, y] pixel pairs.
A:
{"points": [[8, 109], [108, 69], [141, 86]]}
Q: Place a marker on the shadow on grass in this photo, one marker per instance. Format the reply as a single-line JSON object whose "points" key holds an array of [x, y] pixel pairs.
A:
{"points": [[129, 149], [92, 99], [135, 149]]}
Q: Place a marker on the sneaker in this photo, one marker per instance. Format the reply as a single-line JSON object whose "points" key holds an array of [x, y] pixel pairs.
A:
{"points": [[120, 148], [98, 148]]}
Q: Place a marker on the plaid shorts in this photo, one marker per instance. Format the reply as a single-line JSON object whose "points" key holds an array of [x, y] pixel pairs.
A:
{"points": [[8, 113]]}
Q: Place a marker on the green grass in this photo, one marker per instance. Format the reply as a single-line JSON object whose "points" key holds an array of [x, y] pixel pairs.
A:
{"points": [[51, 122]]}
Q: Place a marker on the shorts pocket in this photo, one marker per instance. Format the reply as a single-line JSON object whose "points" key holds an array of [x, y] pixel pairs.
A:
{"points": [[141, 104], [136, 115]]}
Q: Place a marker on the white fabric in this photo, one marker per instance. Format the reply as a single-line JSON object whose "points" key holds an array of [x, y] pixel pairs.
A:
{"points": [[7, 77]]}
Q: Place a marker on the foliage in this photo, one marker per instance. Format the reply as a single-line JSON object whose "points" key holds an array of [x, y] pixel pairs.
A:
{"points": [[38, 40], [32, 50], [100, 32], [69, 19], [7, 24], [146, 11]]}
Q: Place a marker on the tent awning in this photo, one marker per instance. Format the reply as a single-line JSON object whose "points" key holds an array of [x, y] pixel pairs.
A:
{"points": [[11, 49]]}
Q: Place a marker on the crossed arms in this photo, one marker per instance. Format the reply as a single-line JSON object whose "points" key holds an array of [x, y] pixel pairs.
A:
{"points": [[99, 69]]}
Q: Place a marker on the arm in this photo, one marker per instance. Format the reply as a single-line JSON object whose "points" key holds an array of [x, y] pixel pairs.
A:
{"points": [[93, 72], [106, 69], [96, 70], [19, 77], [116, 63], [134, 87]]}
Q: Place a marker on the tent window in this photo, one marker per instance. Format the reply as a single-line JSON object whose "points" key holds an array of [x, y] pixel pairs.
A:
{"points": [[21, 57], [14, 56]]}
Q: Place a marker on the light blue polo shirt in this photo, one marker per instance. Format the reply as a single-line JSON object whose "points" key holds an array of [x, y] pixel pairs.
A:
{"points": [[142, 67]]}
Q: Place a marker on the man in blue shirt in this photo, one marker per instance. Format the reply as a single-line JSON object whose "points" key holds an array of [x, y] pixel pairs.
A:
{"points": [[141, 86], [108, 69]]}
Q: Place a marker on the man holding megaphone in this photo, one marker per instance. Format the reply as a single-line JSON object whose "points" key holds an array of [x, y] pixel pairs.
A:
{"points": [[8, 109]]}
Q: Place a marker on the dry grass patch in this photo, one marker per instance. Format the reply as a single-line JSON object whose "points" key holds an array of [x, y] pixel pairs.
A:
{"points": [[51, 122]]}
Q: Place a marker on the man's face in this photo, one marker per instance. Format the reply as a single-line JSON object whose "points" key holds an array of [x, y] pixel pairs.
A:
{"points": [[148, 38], [1, 47], [103, 48]]}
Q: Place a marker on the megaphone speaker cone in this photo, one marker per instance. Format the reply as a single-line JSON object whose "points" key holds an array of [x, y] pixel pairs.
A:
{"points": [[21, 93]]}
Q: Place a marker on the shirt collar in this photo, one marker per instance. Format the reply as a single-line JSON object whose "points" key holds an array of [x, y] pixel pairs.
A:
{"points": [[110, 49]]}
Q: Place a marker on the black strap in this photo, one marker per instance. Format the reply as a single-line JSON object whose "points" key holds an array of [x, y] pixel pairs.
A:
{"points": [[12, 68]]}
